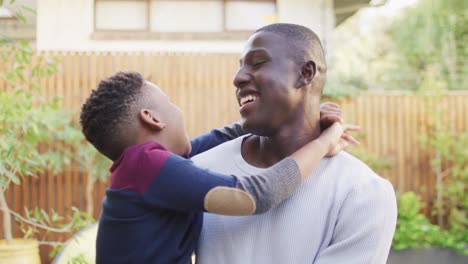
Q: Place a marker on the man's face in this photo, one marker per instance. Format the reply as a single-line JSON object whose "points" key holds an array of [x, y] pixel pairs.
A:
{"points": [[265, 84]]}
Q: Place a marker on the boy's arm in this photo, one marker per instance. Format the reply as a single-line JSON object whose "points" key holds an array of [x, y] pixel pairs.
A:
{"points": [[215, 137], [181, 185]]}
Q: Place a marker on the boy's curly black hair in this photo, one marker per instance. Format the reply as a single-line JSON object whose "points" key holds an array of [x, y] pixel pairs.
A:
{"points": [[108, 110]]}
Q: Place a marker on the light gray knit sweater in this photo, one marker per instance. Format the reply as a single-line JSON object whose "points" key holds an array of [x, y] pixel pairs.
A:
{"points": [[344, 213]]}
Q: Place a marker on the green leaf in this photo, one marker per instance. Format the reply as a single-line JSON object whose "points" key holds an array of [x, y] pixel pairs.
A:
{"points": [[21, 17], [9, 152], [28, 213], [12, 177], [3, 182], [28, 233], [26, 8], [45, 216], [37, 214]]}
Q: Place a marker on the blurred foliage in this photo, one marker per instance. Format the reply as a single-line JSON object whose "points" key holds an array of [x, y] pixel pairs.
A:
{"points": [[421, 50], [37, 135], [38, 219], [449, 158], [449, 162], [339, 88], [434, 35], [393, 52], [29, 120], [414, 230], [376, 163], [79, 259]]}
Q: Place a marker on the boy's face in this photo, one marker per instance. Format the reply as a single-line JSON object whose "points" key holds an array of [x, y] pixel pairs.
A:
{"points": [[172, 117]]}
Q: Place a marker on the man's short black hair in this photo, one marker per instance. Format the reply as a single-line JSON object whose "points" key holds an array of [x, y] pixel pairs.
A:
{"points": [[108, 110], [304, 44]]}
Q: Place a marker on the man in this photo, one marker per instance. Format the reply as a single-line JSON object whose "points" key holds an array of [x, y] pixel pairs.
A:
{"points": [[344, 213]]}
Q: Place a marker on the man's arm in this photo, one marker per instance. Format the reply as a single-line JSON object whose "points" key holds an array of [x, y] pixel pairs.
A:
{"points": [[364, 230], [215, 137]]}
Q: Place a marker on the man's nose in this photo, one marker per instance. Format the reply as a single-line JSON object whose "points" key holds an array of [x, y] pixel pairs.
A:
{"points": [[242, 78]]}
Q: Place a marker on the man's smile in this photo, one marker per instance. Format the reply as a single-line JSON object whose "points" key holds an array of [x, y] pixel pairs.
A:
{"points": [[247, 101]]}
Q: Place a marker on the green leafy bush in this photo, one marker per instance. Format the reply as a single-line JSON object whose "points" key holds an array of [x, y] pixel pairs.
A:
{"points": [[29, 121], [414, 230]]}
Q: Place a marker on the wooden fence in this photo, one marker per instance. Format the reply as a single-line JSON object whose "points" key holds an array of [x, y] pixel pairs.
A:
{"points": [[201, 84]]}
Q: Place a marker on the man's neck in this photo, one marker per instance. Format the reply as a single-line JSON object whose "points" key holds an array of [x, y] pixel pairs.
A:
{"points": [[262, 151]]}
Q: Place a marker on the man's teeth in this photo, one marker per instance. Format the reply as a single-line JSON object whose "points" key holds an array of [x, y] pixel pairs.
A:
{"points": [[248, 98]]}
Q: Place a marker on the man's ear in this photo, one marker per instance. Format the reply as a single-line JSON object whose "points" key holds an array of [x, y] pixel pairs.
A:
{"points": [[149, 118], [306, 74]]}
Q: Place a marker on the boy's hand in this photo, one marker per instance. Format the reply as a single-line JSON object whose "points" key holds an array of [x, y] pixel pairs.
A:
{"points": [[329, 114], [338, 137]]}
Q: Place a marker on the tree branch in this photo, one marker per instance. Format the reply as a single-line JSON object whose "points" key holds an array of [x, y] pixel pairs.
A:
{"points": [[52, 244], [65, 229], [446, 173]]}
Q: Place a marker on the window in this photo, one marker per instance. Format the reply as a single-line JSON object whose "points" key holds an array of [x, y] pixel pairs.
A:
{"points": [[190, 19], [121, 15]]}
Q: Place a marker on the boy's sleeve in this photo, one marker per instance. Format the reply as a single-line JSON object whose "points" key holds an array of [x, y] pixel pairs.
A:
{"points": [[181, 185], [215, 137]]}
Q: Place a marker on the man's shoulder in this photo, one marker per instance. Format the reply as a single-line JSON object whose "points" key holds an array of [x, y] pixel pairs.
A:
{"points": [[353, 172], [225, 149]]}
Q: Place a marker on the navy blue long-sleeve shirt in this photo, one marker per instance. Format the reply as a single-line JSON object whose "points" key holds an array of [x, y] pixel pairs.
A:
{"points": [[152, 212]]}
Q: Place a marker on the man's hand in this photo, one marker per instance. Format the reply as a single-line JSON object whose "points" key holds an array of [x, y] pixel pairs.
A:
{"points": [[329, 114]]}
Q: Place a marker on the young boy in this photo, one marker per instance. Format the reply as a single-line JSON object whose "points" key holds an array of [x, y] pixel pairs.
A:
{"points": [[153, 208]]}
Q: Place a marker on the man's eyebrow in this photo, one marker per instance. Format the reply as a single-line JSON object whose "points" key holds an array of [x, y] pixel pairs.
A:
{"points": [[252, 52]]}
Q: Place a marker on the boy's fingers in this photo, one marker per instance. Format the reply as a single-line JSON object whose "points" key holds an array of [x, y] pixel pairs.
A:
{"points": [[330, 119], [344, 144], [330, 104], [331, 111], [327, 107], [350, 139], [348, 127]]}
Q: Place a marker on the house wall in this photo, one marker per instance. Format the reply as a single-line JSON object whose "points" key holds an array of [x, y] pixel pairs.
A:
{"points": [[69, 25], [317, 15]]}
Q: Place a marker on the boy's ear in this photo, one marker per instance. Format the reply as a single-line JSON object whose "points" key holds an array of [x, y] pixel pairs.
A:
{"points": [[306, 74], [150, 118]]}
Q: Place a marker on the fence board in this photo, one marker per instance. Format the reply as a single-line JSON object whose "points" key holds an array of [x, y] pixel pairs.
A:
{"points": [[201, 84]]}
